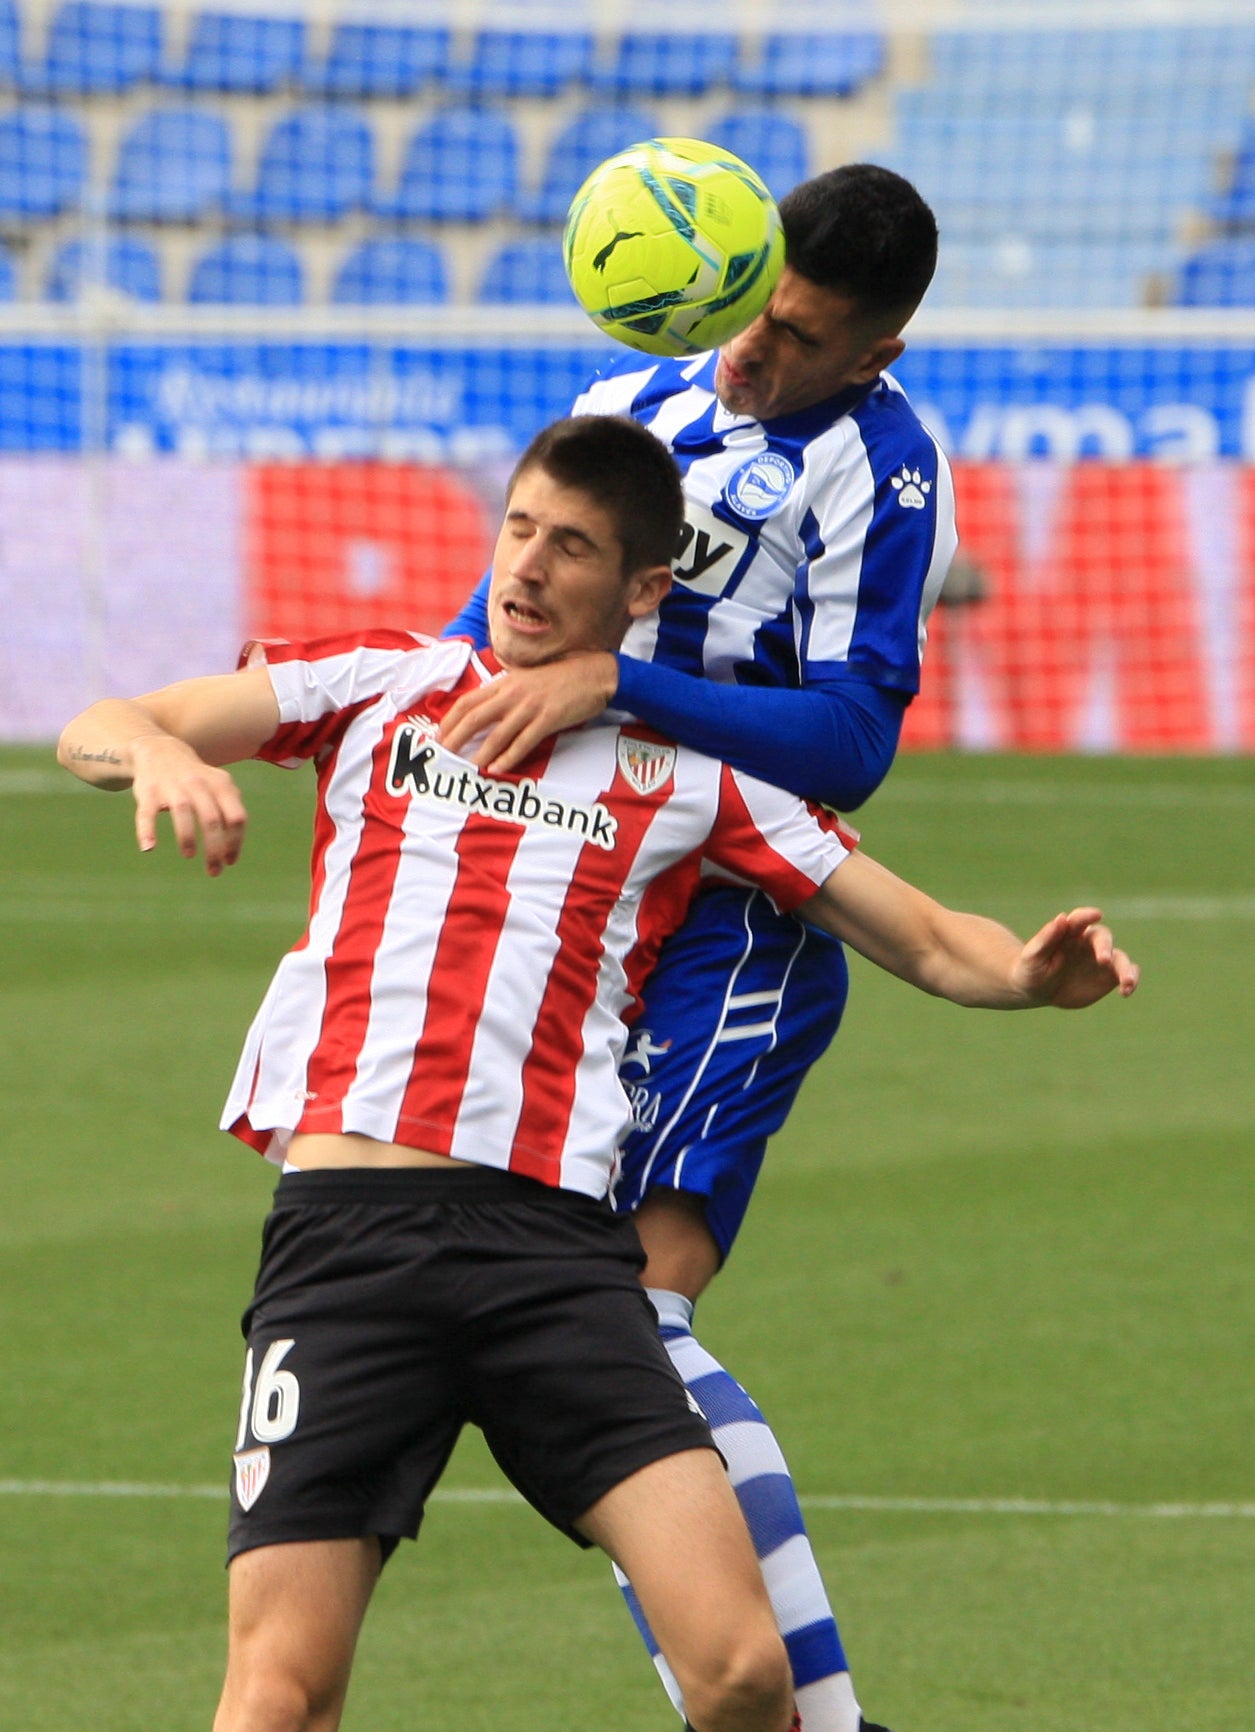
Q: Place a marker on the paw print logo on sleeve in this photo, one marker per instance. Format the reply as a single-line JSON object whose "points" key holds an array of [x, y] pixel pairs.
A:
{"points": [[911, 488]]}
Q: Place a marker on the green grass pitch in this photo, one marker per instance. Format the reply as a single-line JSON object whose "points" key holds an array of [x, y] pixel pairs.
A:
{"points": [[992, 1258]]}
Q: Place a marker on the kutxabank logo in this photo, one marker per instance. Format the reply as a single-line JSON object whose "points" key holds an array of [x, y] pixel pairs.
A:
{"points": [[413, 771]]}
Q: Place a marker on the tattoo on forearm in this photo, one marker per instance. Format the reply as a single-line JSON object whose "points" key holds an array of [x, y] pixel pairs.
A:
{"points": [[106, 757]]}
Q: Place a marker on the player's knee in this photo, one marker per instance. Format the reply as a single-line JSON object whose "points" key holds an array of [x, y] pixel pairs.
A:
{"points": [[271, 1699], [746, 1684]]}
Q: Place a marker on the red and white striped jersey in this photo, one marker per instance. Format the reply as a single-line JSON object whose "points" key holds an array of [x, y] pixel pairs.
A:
{"points": [[476, 943]]}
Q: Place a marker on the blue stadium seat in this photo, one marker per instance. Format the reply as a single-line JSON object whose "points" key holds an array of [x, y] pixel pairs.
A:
{"points": [[95, 47], [248, 270], [317, 165], [128, 265], [773, 143], [392, 270], [1234, 208], [174, 165], [366, 60], [524, 63], [1016, 270], [590, 138], [43, 163], [811, 63], [526, 271], [462, 166], [232, 52], [668, 63], [1221, 274], [8, 275], [10, 45]]}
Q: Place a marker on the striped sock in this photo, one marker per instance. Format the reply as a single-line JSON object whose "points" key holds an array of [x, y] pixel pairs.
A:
{"points": [[821, 1676]]}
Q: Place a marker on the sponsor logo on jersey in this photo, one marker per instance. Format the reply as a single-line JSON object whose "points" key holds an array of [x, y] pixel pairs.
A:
{"points": [[645, 764], [709, 551], [911, 488], [413, 772], [644, 1105], [760, 486], [252, 1470], [644, 1050]]}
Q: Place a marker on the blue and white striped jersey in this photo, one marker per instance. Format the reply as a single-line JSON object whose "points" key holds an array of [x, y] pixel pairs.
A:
{"points": [[815, 544]]}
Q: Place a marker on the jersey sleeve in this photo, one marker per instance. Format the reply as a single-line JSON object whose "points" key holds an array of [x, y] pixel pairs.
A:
{"points": [[322, 684], [876, 541], [765, 837]]}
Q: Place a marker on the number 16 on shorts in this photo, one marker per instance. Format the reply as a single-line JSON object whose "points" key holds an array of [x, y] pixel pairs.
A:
{"points": [[269, 1409]]}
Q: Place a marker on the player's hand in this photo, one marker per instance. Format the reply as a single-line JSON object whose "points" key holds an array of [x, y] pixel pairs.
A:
{"points": [[1073, 962], [519, 710], [168, 776]]}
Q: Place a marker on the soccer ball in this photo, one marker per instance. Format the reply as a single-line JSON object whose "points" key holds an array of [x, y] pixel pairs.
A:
{"points": [[673, 246]]}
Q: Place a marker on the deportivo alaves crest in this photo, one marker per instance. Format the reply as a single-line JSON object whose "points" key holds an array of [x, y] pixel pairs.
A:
{"points": [[413, 771]]}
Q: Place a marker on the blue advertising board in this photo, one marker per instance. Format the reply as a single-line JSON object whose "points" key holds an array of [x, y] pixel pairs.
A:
{"points": [[345, 399]]}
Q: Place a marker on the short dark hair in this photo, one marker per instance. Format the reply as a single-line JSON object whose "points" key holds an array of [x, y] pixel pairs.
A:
{"points": [[629, 472], [862, 231]]}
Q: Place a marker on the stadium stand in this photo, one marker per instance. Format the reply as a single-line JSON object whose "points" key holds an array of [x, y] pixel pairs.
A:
{"points": [[810, 63], [526, 271], [774, 143], [122, 263], [174, 166], [232, 52], [394, 270], [586, 140], [248, 270], [461, 166], [10, 46], [668, 63], [94, 48], [317, 165], [518, 63], [1221, 274], [367, 61], [8, 276], [1234, 207], [1068, 166], [43, 163]]}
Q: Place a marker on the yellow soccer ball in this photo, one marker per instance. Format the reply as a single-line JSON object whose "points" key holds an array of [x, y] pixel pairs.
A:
{"points": [[673, 246]]}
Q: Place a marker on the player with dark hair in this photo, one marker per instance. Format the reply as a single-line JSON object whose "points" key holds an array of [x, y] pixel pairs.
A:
{"points": [[434, 1064], [819, 526]]}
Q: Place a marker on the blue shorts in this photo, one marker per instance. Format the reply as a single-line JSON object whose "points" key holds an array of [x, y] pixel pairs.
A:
{"points": [[741, 1003]]}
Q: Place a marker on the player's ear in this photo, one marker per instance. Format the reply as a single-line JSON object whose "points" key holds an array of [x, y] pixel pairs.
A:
{"points": [[881, 354], [646, 589]]}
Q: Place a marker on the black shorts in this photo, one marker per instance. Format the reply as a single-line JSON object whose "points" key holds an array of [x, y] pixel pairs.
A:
{"points": [[393, 1306]]}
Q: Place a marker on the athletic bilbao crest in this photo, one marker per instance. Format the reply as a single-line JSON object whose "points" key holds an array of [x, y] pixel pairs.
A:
{"points": [[252, 1470], [644, 764]]}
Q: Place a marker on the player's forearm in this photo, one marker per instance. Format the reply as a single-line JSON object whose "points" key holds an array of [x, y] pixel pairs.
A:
{"points": [[962, 957], [833, 743], [97, 746], [971, 961]]}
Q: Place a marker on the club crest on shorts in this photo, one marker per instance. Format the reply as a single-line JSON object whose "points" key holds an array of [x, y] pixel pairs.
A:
{"points": [[645, 764], [252, 1470]]}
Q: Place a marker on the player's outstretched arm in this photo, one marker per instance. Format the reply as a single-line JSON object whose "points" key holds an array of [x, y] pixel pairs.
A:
{"points": [[1072, 962], [168, 748]]}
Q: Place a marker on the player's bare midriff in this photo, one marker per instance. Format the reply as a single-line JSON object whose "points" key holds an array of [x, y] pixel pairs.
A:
{"points": [[311, 1149]]}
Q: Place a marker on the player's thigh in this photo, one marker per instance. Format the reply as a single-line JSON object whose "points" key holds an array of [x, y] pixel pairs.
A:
{"points": [[294, 1613], [676, 1530], [564, 1369], [349, 1406], [740, 1005]]}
